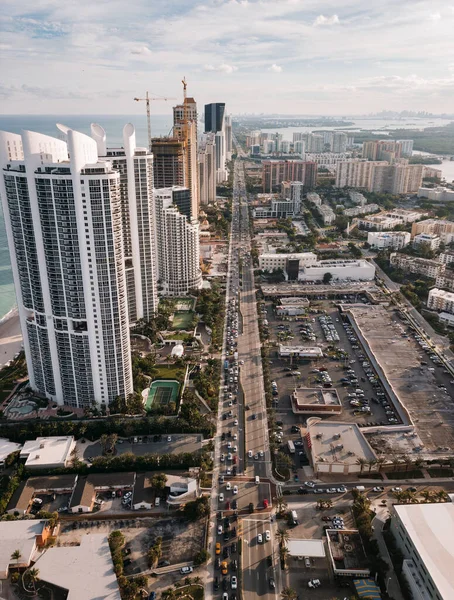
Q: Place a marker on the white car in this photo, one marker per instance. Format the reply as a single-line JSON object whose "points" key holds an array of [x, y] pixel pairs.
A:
{"points": [[229, 446], [235, 422], [186, 570], [233, 582], [267, 535], [221, 497], [249, 453], [309, 484], [219, 529], [235, 436], [235, 489], [228, 486], [261, 454], [235, 448], [222, 458], [260, 538]]}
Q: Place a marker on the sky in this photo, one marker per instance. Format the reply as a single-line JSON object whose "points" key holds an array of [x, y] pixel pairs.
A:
{"points": [[333, 57]]}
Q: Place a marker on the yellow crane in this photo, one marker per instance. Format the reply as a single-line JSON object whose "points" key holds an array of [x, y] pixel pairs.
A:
{"points": [[147, 101]]}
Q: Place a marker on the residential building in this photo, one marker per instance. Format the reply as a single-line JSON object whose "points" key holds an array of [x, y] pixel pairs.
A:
{"points": [[346, 270], [299, 147], [382, 150], [438, 194], [135, 166], [396, 179], [430, 240], [178, 249], [446, 257], [419, 266], [7, 448], [284, 147], [255, 150], [445, 279], [424, 534], [387, 220], [339, 142], [214, 116], [314, 198], [357, 198], [277, 171], [406, 148], [438, 226], [355, 173], [63, 217], [327, 214], [83, 495], [228, 136], [48, 452], [83, 572], [215, 123], [446, 318], [315, 142], [185, 129], [282, 208], [293, 191], [22, 499], [330, 160], [388, 239], [431, 172], [441, 300], [361, 210], [298, 137], [207, 168], [27, 537]]}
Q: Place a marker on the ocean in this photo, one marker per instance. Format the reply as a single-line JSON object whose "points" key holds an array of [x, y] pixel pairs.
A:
{"points": [[113, 124]]}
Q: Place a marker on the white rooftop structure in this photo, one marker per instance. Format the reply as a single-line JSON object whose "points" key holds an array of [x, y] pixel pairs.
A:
{"points": [[177, 350], [310, 548], [47, 452], [430, 528], [86, 571], [7, 448], [301, 351], [18, 535]]}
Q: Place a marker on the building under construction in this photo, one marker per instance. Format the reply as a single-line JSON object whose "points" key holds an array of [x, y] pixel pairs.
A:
{"points": [[169, 162]]}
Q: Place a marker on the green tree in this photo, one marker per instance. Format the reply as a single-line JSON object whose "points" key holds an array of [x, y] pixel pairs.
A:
{"points": [[16, 555], [327, 278]]}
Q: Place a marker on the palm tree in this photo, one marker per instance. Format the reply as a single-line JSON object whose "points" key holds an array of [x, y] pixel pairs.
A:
{"points": [[407, 460], [288, 594], [395, 461], [381, 460], [427, 495], [371, 462], [15, 556], [283, 536], [33, 576], [362, 463], [283, 553], [281, 504], [441, 496]]}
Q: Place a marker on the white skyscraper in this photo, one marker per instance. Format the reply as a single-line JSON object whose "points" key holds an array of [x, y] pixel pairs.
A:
{"points": [[63, 218], [135, 166], [177, 242], [339, 142], [207, 168]]}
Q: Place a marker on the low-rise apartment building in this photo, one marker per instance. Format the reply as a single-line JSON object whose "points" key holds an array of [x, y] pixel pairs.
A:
{"points": [[431, 240], [445, 279], [314, 198], [419, 266], [438, 226], [327, 214], [440, 194], [441, 300], [388, 239], [446, 257], [361, 210]]}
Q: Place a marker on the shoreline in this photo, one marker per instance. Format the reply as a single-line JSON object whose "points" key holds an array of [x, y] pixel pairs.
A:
{"points": [[10, 336], [13, 312]]}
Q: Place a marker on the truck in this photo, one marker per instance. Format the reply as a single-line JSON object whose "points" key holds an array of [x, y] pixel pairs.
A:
{"points": [[291, 447], [226, 365]]}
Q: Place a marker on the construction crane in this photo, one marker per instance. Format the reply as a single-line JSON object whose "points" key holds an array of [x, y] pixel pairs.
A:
{"points": [[147, 101]]}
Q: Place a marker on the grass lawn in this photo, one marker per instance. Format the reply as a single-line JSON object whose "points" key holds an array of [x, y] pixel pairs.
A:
{"points": [[193, 591], [182, 319], [405, 475], [176, 336], [170, 372]]}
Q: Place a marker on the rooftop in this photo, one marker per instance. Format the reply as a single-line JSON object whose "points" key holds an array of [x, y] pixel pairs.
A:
{"points": [[347, 550], [18, 535], [35, 485], [86, 571], [337, 442], [7, 447], [311, 548], [143, 490], [316, 396], [309, 351], [431, 529], [47, 451]]}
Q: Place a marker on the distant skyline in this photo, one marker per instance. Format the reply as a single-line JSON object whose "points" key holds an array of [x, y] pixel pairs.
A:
{"points": [[295, 57]]}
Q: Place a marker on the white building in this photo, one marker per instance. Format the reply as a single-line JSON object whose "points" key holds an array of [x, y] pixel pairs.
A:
{"points": [[135, 166], [388, 239], [24, 536], [177, 242], [421, 266], [269, 261], [299, 147], [48, 452], [406, 147], [441, 300], [345, 270], [424, 534], [438, 194], [85, 571], [63, 218], [181, 489], [315, 142], [357, 198], [339, 142], [327, 214], [446, 257], [7, 448], [327, 159], [314, 198], [430, 240], [207, 168], [361, 210]]}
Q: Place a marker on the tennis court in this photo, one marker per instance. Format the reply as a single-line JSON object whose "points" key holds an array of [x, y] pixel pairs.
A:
{"points": [[162, 392]]}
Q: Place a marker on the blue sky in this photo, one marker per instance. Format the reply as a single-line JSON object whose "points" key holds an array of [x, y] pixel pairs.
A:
{"points": [[288, 56]]}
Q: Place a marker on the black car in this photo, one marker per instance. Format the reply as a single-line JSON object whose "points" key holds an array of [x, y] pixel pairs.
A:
{"points": [[251, 507], [234, 532], [269, 561], [223, 436], [127, 562], [226, 536], [234, 471], [163, 563], [216, 583], [234, 504], [225, 584], [234, 548], [234, 565], [226, 523], [217, 563], [226, 552]]}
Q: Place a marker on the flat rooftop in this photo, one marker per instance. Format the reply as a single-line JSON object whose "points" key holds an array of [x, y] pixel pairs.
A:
{"points": [[86, 571], [47, 451], [310, 548], [294, 301], [302, 351], [399, 358], [431, 529], [7, 448], [305, 289], [316, 396], [333, 441], [18, 535], [347, 550]]}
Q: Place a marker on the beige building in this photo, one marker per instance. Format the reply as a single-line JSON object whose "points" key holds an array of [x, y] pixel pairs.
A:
{"points": [[355, 173], [420, 266], [441, 300], [315, 401], [437, 226]]}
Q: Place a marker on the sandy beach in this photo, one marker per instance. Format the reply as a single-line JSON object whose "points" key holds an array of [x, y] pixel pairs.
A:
{"points": [[10, 337]]}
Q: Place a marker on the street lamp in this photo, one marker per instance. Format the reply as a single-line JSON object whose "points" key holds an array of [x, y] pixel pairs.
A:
{"points": [[387, 584]]}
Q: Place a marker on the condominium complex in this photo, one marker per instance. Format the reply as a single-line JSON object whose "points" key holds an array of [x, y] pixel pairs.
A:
{"points": [[379, 176], [314, 198], [438, 194], [326, 159], [424, 534], [177, 241], [388, 239], [437, 226], [387, 220], [215, 123], [446, 257], [185, 130], [135, 166], [361, 210], [445, 279], [277, 171], [383, 150], [420, 266], [63, 217], [327, 214], [441, 300], [430, 240], [207, 168], [339, 142]]}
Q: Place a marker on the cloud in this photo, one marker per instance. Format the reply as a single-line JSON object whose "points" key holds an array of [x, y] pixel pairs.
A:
{"points": [[435, 16], [141, 51], [322, 20], [222, 68], [275, 68]]}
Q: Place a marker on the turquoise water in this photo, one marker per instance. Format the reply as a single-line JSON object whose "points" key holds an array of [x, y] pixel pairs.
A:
{"points": [[113, 124]]}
